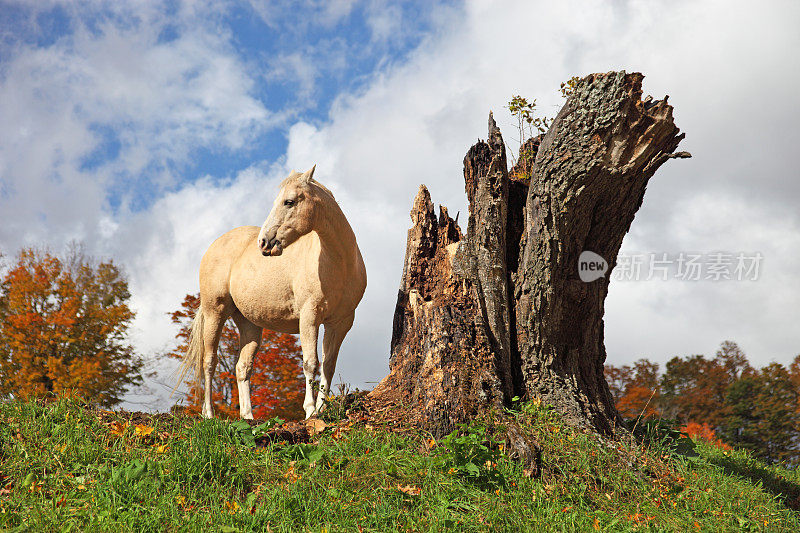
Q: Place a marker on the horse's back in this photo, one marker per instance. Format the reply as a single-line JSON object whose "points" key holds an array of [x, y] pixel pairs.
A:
{"points": [[357, 282], [217, 262]]}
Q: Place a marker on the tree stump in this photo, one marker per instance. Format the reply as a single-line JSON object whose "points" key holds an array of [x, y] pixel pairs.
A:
{"points": [[502, 311]]}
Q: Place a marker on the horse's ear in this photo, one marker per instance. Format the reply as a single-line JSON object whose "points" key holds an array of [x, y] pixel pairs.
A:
{"points": [[308, 174]]}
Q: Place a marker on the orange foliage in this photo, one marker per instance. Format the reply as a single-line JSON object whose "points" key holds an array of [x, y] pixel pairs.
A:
{"points": [[62, 329], [277, 384], [723, 401], [704, 432], [638, 401], [635, 389], [696, 388]]}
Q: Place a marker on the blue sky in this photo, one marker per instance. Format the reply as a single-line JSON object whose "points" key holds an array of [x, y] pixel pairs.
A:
{"points": [[297, 61], [147, 129]]}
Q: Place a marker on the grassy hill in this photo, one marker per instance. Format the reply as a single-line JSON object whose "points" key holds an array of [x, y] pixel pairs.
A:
{"points": [[66, 466]]}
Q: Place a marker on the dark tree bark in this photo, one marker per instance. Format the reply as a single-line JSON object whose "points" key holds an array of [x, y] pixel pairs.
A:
{"points": [[588, 181], [482, 257], [502, 312], [443, 369]]}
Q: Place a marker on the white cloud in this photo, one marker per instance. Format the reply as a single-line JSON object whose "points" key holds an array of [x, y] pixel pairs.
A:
{"points": [[326, 13], [295, 68], [385, 20], [162, 98], [661, 319]]}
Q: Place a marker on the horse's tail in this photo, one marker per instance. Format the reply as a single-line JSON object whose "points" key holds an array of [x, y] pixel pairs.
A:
{"points": [[193, 359]]}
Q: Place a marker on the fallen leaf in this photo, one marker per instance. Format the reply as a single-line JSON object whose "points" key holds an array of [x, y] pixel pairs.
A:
{"points": [[117, 429], [411, 490], [290, 474], [142, 430], [232, 506], [314, 426]]}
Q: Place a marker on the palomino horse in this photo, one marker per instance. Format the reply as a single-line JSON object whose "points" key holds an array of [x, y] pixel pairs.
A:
{"points": [[300, 270]]}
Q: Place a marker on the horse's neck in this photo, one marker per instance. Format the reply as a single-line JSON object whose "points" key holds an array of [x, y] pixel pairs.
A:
{"points": [[335, 234]]}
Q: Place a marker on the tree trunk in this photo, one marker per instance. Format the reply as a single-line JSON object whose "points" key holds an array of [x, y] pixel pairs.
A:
{"points": [[443, 368], [503, 312]]}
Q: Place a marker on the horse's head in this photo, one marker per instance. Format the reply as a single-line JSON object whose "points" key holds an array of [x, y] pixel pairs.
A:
{"points": [[292, 214]]}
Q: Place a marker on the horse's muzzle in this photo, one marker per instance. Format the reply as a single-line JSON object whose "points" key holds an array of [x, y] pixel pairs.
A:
{"points": [[271, 247]]}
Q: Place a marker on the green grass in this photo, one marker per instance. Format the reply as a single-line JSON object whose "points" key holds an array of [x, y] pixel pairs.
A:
{"points": [[65, 468]]}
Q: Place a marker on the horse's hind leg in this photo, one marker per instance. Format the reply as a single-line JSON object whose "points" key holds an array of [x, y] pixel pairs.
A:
{"points": [[331, 342], [249, 341], [309, 334], [214, 318]]}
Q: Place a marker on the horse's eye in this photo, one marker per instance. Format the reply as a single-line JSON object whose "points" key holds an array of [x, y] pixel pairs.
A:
{"points": [[288, 203]]}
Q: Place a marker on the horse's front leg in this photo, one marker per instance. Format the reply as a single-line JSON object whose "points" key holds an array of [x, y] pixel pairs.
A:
{"points": [[309, 332], [331, 342]]}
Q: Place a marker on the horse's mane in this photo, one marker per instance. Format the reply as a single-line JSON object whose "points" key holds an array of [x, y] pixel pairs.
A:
{"points": [[295, 175], [324, 188]]}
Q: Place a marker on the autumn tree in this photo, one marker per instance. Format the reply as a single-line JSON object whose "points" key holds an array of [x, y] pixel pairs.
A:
{"points": [[794, 375], [63, 328], [618, 378], [733, 360], [724, 400], [276, 386], [763, 415], [695, 389], [635, 389]]}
